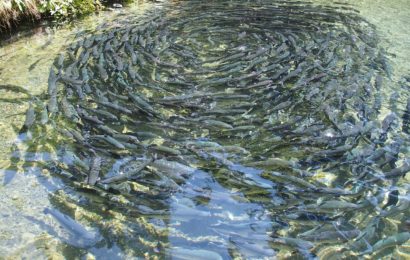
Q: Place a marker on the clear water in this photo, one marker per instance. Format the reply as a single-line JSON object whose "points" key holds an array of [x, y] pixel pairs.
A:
{"points": [[227, 208]]}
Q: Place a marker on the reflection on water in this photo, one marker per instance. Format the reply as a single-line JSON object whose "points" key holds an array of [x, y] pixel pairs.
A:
{"points": [[208, 131], [217, 221]]}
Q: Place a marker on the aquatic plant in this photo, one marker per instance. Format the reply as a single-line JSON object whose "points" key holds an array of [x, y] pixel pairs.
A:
{"points": [[12, 12], [60, 9]]}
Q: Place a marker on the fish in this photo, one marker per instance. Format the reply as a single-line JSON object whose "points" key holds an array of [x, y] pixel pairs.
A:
{"points": [[83, 238], [217, 124], [71, 80], [378, 84], [60, 60], [274, 162], [84, 75], [70, 158], [332, 235], [293, 242], [85, 55], [77, 136], [293, 179], [105, 114], [33, 65], [187, 254], [44, 115], [166, 166], [392, 199], [130, 173], [406, 118], [115, 107], [400, 171], [69, 110], [332, 205], [131, 52], [110, 140], [106, 129], [84, 115], [388, 122], [281, 106], [142, 104], [127, 138], [102, 71], [387, 242], [30, 118], [94, 172], [52, 82]]}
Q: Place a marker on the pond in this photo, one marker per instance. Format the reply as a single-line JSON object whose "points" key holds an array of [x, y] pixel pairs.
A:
{"points": [[209, 130]]}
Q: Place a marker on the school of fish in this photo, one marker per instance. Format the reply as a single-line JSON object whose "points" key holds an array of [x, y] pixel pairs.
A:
{"points": [[287, 104]]}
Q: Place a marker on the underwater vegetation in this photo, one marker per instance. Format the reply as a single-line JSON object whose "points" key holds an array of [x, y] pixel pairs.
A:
{"points": [[13, 12]]}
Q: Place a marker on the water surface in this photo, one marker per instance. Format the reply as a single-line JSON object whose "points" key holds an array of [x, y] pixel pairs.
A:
{"points": [[227, 205]]}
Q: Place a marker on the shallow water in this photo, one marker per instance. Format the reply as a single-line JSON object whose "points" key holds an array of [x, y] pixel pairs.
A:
{"points": [[227, 205]]}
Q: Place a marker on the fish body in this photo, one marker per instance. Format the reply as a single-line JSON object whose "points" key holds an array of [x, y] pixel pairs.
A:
{"points": [[78, 232], [129, 173], [52, 81], [30, 117], [94, 170]]}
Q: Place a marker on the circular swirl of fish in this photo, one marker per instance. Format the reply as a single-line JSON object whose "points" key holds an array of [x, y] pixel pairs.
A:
{"points": [[278, 101]]}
